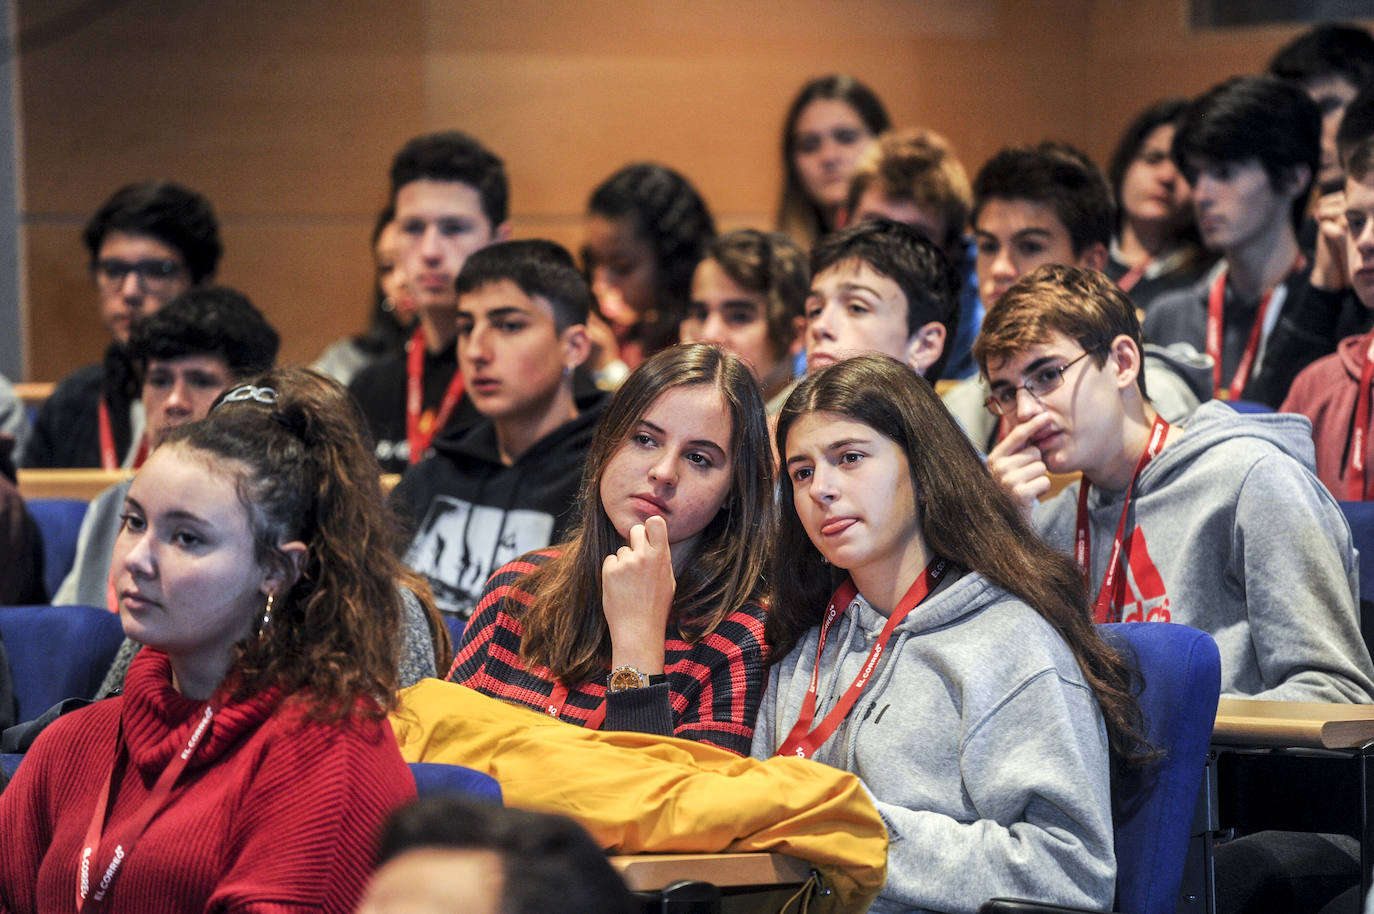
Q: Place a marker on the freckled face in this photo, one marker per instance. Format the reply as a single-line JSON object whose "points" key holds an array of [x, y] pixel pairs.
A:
{"points": [[676, 464]]}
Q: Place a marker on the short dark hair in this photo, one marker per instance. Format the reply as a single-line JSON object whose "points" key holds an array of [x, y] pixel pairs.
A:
{"points": [[207, 320], [1333, 49], [915, 263], [1259, 118], [772, 265], [537, 267], [454, 156], [1357, 124], [1058, 176], [177, 216], [548, 862]]}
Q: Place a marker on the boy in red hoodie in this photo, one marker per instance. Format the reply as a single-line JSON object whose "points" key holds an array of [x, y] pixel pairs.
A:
{"points": [[1334, 391]]}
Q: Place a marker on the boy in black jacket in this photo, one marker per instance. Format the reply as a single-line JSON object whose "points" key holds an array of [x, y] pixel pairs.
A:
{"points": [[508, 484]]}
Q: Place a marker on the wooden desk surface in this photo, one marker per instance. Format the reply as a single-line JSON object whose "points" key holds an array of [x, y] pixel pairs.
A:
{"points": [[647, 872], [86, 483], [1313, 725]]}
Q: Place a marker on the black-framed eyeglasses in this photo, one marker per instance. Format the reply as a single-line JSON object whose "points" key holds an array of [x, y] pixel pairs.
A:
{"points": [[152, 271], [1042, 381]]}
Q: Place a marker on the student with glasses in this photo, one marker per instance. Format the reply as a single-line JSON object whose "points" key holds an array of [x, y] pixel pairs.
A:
{"points": [[1222, 526], [148, 243]]}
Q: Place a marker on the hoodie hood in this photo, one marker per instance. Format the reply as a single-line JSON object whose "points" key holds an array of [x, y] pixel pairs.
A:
{"points": [[1351, 351], [1214, 423]]}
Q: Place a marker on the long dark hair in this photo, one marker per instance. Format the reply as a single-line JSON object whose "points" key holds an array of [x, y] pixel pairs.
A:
{"points": [[671, 217], [304, 472], [1167, 112], [965, 518], [564, 627], [798, 215]]}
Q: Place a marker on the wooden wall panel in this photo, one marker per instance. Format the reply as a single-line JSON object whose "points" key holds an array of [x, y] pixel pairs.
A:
{"points": [[286, 114]]}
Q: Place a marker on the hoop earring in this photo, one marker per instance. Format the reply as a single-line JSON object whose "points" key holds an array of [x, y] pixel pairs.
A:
{"points": [[266, 616]]}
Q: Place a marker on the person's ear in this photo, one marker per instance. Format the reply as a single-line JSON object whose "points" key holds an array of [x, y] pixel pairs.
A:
{"points": [[282, 575], [1094, 257], [576, 346], [1298, 180], [1127, 361], [925, 346], [501, 232]]}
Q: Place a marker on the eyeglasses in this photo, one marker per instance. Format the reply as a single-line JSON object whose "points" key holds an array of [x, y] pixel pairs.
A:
{"points": [[1042, 381], [154, 272]]}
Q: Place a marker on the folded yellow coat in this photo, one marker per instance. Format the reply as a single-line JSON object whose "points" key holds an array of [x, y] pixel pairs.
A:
{"points": [[643, 794]]}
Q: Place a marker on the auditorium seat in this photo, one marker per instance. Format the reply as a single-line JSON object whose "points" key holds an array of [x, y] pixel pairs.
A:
{"points": [[59, 522], [57, 652]]}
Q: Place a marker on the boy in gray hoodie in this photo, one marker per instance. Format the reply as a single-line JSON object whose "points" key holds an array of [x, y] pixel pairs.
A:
{"points": [[1224, 528]]}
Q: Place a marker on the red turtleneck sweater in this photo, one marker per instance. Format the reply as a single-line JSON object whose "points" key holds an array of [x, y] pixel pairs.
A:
{"points": [[274, 813]]}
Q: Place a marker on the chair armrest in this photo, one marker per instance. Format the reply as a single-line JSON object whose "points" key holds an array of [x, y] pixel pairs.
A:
{"points": [[1020, 906]]}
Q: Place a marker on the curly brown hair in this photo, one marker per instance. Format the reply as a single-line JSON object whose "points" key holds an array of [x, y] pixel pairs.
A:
{"points": [[304, 471]]}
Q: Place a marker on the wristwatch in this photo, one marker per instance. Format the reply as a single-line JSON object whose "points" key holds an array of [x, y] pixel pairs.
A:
{"points": [[624, 678]]}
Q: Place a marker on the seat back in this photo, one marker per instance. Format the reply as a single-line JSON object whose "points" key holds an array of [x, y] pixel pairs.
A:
{"points": [[434, 777], [57, 652], [1360, 516], [59, 522], [1152, 806]]}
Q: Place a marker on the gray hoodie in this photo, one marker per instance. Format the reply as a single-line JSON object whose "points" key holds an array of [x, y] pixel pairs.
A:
{"points": [[980, 742], [1236, 536]]}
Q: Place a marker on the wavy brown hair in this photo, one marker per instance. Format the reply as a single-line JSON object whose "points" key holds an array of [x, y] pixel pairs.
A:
{"points": [[965, 517], [304, 471], [564, 628]]}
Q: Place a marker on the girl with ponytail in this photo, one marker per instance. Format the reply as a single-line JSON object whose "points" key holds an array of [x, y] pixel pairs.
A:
{"points": [[248, 764]]}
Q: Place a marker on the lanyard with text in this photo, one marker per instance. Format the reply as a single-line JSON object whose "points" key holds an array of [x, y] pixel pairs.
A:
{"points": [[420, 428], [803, 741], [1216, 302], [92, 897], [1110, 594], [1355, 466], [560, 697], [109, 457]]}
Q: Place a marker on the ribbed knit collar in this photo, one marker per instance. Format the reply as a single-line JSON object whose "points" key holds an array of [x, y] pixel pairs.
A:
{"points": [[158, 720]]}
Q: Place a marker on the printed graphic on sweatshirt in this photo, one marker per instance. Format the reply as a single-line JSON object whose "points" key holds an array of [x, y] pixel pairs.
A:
{"points": [[1147, 599], [460, 544]]}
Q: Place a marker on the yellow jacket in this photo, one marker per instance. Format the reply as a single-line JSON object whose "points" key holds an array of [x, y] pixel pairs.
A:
{"points": [[643, 794]]}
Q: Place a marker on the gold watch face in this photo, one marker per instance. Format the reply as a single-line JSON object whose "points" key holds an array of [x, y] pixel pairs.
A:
{"points": [[625, 678]]}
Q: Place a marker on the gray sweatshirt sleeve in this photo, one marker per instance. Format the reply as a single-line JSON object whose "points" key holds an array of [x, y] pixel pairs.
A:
{"points": [[1291, 547], [417, 645], [1038, 761]]}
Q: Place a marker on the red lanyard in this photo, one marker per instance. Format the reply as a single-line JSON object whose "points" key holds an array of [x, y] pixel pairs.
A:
{"points": [[1132, 276], [1355, 467], [559, 698], [93, 882], [109, 457], [420, 429], [1111, 595], [803, 741], [1216, 301]]}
